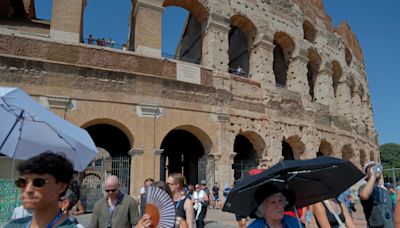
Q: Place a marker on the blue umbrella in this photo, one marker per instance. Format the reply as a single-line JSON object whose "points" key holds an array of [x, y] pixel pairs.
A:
{"points": [[28, 129]]}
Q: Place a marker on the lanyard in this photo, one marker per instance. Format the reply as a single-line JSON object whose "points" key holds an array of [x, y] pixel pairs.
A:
{"points": [[51, 224]]}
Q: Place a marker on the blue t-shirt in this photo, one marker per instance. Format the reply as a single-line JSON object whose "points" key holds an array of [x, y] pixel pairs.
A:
{"points": [[287, 222]]}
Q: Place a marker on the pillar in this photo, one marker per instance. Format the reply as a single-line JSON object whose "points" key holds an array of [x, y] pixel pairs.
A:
{"points": [[136, 170], [297, 74], [261, 62], [216, 44], [146, 27], [343, 99], [323, 88], [66, 20]]}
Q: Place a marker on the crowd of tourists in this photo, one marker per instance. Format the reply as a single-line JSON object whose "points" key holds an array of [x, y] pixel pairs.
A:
{"points": [[51, 198]]}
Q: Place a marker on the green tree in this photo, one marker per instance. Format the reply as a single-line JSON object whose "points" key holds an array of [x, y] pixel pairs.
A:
{"points": [[390, 155]]}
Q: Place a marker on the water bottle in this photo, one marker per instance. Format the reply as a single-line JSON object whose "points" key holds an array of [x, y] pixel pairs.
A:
{"points": [[378, 169]]}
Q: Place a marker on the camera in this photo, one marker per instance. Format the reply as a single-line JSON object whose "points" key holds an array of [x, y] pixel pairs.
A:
{"points": [[378, 169]]}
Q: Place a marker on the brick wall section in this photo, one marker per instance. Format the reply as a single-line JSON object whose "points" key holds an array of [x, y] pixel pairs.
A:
{"points": [[92, 56]]}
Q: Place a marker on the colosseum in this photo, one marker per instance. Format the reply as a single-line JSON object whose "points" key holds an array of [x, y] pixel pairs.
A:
{"points": [[252, 83]]}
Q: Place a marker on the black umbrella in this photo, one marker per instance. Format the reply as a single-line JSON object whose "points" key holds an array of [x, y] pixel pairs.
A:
{"points": [[311, 180]]}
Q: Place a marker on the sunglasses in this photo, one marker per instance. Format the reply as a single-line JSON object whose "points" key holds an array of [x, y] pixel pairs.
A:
{"points": [[110, 190], [37, 182]]}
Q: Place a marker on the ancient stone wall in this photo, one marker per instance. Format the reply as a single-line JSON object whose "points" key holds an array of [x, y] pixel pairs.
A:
{"points": [[318, 103]]}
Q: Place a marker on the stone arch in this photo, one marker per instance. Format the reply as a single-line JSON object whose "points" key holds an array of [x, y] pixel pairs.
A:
{"points": [[351, 82], [363, 158], [241, 39], [325, 148], [195, 7], [283, 51], [348, 57], [372, 156], [249, 147], [347, 152], [185, 150], [309, 31], [360, 89], [199, 133], [110, 135], [313, 67], [257, 141], [336, 75], [191, 41], [296, 149], [111, 122]]}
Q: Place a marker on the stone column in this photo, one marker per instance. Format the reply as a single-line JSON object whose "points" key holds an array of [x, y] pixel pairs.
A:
{"points": [[297, 74], [146, 26], [323, 89], [136, 169], [216, 44], [261, 61], [343, 99], [157, 156], [66, 20], [356, 106]]}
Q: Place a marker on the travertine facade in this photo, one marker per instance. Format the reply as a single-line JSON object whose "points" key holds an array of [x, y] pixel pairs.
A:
{"points": [[303, 91]]}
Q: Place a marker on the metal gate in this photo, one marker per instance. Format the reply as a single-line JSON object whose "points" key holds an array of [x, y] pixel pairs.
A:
{"points": [[206, 170], [92, 187], [241, 169]]}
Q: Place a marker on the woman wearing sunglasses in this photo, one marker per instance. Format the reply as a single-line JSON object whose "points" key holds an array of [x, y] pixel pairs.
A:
{"points": [[44, 179]]}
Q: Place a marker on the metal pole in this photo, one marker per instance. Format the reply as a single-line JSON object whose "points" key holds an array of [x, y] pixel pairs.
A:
{"points": [[12, 128]]}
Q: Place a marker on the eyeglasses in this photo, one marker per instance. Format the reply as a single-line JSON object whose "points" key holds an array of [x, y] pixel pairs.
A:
{"points": [[169, 184], [110, 190], [36, 182]]}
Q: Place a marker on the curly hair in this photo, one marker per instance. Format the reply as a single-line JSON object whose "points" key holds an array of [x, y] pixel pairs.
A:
{"points": [[50, 163]]}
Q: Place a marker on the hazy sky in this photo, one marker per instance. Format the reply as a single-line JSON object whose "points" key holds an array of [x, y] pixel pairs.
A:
{"points": [[375, 24]]}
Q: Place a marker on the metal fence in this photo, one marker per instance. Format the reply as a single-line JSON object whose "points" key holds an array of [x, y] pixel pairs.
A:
{"points": [[92, 187], [9, 199], [392, 176]]}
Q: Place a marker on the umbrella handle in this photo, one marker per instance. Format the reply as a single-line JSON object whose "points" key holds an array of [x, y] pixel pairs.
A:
{"points": [[19, 117], [297, 215]]}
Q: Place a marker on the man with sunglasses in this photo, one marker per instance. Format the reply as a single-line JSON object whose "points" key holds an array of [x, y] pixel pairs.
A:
{"points": [[116, 210], [45, 178]]}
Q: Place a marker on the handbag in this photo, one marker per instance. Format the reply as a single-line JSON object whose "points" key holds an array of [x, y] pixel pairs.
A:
{"points": [[328, 205]]}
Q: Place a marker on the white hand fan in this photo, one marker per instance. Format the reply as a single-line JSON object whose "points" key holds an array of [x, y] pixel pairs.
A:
{"points": [[160, 207]]}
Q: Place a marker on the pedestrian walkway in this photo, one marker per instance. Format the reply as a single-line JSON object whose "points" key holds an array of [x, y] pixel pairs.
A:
{"points": [[219, 219]]}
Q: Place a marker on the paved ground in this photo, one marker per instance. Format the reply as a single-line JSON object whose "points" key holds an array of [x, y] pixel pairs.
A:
{"points": [[218, 219]]}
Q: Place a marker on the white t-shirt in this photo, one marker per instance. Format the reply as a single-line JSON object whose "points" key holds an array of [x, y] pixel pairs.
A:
{"points": [[199, 196]]}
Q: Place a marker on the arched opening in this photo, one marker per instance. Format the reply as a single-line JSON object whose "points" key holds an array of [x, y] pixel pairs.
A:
{"points": [[241, 37], [287, 151], [283, 51], [183, 153], [348, 56], [309, 31], [102, 28], [372, 156], [325, 149], [314, 63], [182, 36], [246, 157], [292, 148], [363, 158], [337, 74], [347, 152], [27, 16], [110, 138], [113, 159]]}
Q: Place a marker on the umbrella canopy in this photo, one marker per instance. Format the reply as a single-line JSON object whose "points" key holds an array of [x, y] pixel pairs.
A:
{"points": [[28, 129], [311, 180]]}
